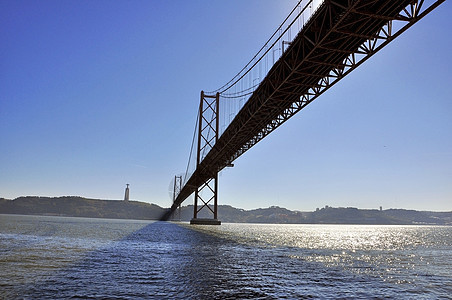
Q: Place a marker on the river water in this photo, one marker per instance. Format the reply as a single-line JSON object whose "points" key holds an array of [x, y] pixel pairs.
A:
{"points": [[59, 257]]}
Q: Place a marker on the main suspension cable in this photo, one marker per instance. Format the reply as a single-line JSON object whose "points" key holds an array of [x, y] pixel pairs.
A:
{"points": [[191, 149], [238, 76]]}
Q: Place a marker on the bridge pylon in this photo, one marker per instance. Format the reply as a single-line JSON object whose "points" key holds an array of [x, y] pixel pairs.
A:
{"points": [[206, 195], [177, 187]]}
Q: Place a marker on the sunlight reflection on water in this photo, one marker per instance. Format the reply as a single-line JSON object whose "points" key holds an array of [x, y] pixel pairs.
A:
{"points": [[386, 251], [51, 257]]}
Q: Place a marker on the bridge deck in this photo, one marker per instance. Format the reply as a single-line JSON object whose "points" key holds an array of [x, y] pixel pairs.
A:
{"points": [[336, 30]]}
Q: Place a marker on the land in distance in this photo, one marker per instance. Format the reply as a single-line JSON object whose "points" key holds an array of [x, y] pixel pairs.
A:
{"points": [[74, 206]]}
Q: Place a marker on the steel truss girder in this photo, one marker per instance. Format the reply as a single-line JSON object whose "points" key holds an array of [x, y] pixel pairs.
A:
{"points": [[322, 53], [370, 46], [411, 14]]}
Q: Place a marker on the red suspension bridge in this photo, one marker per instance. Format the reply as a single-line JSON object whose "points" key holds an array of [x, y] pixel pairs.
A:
{"points": [[332, 38]]}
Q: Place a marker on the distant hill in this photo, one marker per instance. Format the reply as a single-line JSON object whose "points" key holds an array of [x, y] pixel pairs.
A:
{"points": [[81, 207], [327, 215], [118, 209]]}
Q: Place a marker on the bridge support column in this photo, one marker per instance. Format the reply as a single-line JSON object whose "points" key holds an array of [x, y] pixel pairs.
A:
{"points": [[206, 195], [177, 187]]}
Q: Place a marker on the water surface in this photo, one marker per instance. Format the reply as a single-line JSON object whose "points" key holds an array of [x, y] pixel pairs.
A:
{"points": [[58, 257]]}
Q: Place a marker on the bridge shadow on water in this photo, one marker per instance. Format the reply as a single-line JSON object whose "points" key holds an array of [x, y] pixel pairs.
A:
{"points": [[170, 261]]}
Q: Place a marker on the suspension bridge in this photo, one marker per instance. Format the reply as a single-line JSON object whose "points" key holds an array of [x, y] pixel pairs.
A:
{"points": [[317, 45]]}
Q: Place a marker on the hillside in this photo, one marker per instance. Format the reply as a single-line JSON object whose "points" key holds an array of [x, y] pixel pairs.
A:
{"points": [[116, 209], [327, 215], [81, 207]]}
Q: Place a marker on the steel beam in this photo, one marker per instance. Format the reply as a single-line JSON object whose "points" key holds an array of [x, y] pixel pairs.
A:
{"points": [[336, 40]]}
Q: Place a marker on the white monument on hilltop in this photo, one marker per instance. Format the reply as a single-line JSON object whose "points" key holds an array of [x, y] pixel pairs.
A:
{"points": [[126, 196]]}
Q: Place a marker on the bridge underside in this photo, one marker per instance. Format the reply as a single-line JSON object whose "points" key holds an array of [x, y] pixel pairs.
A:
{"points": [[339, 37]]}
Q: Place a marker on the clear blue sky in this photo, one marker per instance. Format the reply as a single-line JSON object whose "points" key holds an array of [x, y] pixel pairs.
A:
{"points": [[97, 94]]}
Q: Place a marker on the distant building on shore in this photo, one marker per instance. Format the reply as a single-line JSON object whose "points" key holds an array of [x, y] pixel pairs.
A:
{"points": [[126, 196]]}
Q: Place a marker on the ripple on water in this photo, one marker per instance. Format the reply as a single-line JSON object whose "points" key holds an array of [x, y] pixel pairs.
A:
{"points": [[67, 258]]}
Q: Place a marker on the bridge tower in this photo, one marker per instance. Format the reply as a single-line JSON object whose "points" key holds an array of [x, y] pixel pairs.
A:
{"points": [[176, 190], [206, 195]]}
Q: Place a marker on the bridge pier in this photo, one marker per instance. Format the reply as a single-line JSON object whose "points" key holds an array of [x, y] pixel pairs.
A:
{"points": [[203, 221], [207, 192]]}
